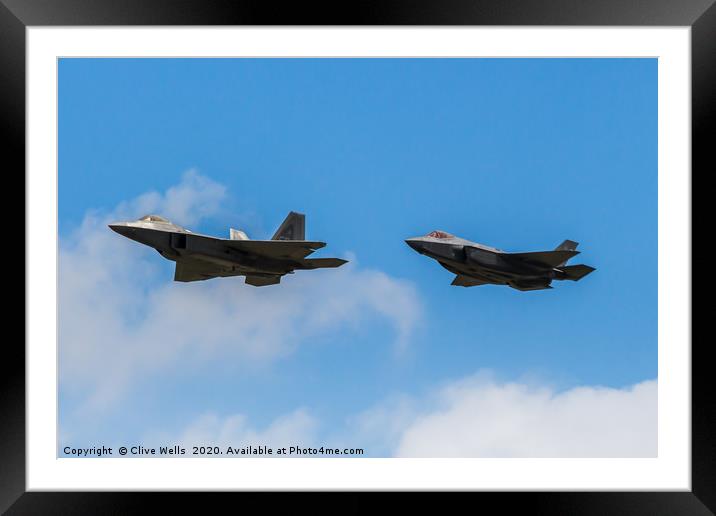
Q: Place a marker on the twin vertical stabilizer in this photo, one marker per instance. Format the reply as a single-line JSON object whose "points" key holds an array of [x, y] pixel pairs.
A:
{"points": [[235, 234], [293, 228]]}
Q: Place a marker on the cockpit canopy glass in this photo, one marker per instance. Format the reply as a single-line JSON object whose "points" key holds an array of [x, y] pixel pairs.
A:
{"points": [[440, 234], [153, 218]]}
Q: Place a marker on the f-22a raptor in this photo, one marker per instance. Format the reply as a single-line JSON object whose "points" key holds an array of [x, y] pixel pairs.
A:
{"points": [[476, 264], [201, 257]]}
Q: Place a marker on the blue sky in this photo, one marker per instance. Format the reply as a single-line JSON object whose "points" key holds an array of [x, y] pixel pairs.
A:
{"points": [[519, 154]]}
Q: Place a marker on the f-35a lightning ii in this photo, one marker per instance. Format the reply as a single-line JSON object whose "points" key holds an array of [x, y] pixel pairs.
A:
{"points": [[476, 264], [201, 257]]}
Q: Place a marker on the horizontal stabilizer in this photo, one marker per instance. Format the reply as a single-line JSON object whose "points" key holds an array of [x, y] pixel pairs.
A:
{"points": [[262, 281], [293, 228], [320, 263], [567, 245], [546, 259], [577, 272], [466, 281]]}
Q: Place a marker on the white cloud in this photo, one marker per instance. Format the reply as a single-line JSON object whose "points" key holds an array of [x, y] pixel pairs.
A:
{"points": [[122, 319], [193, 199], [294, 429], [480, 417]]}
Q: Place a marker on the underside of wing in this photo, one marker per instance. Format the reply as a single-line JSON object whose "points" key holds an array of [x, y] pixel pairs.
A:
{"points": [[466, 281], [262, 281], [195, 270], [293, 249]]}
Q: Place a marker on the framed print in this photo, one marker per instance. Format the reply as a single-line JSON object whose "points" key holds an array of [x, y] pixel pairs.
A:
{"points": [[446, 166]]}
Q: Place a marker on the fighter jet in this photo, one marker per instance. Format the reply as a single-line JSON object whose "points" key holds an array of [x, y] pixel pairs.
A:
{"points": [[476, 264], [201, 257]]}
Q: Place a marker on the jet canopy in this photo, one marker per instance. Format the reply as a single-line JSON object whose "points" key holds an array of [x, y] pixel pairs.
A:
{"points": [[154, 218], [440, 234]]}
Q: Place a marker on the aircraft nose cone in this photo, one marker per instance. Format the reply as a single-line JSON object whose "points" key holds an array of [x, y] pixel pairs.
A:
{"points": [[120, 227], [417, 245]]}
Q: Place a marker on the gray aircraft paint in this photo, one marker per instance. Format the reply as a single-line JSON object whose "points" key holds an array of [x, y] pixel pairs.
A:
{"points": [[477, 264], [201, 257]]}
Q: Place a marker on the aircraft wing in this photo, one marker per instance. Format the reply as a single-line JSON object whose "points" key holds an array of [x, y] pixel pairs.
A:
{"points": [[545, 259], [293, 249], [195, 270], [466, 281]]}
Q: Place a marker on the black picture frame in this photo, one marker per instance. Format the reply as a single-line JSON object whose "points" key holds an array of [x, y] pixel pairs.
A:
{"points": [[700, 15]]}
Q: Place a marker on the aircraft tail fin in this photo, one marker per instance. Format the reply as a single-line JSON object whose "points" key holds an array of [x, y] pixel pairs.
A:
{"points": [[577, 272], [292, 228], [321, 263], [235, 234], [567, 245]]}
